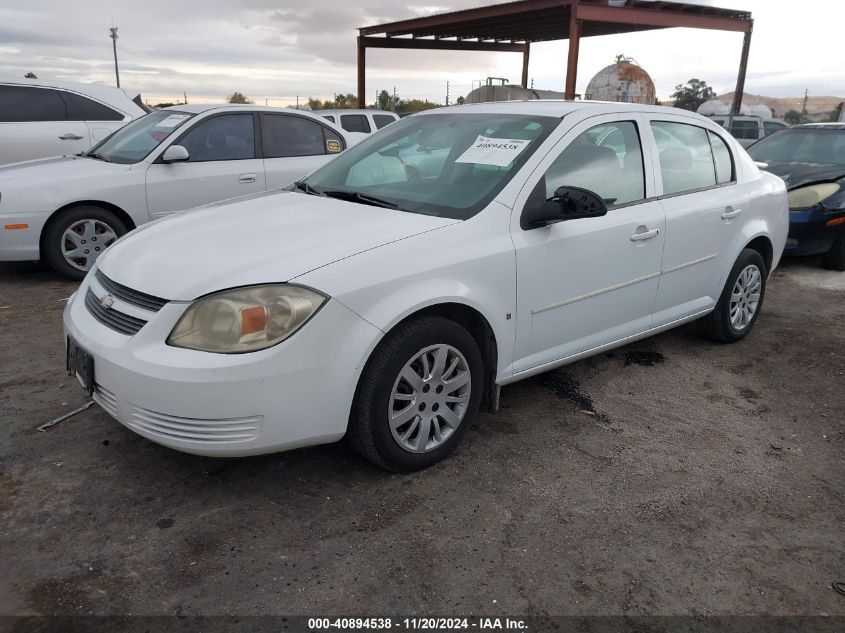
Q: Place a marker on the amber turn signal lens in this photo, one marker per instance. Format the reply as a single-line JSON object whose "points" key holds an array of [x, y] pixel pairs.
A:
{"points": [[835, 221], [253, 320], [15, 227]]}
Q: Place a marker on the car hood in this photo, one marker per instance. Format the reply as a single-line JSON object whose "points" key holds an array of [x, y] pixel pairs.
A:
{"points": [[800, 174], [258, 239], [51, 173]]}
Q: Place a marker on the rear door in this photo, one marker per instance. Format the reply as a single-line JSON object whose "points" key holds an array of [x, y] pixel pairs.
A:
{"points": [[223, 164], [33, 124], [703, 201], [294, 146], [100, 119]]}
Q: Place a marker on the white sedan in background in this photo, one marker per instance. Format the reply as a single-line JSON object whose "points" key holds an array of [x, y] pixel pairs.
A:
{"points": [[385, 302], [68, 209]]}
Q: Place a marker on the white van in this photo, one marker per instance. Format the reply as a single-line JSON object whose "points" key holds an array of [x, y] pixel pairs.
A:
{"points": [[365, 121], [749, 129], [39, 119]]}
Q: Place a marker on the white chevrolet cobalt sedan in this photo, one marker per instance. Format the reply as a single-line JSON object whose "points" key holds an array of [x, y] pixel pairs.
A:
{"points": [[385, 302], [67, 210]]}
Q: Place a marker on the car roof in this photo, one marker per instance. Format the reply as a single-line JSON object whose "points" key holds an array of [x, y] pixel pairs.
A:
{"points": [[354, 111], [199, 108], [560, 108], [828, 126], [98, 91]]}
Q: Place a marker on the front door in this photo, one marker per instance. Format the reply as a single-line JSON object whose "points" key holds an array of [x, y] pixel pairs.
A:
{"points": [[222, 165], [585, 283], [294, 146]]}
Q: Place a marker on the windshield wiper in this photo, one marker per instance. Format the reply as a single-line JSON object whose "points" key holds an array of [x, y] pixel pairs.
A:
{"points": [[304, 186], [97, 156], [355, 196]]}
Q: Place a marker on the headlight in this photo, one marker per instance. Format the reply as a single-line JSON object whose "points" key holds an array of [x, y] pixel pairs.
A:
{"points": [[807, 197], [245, 319]]}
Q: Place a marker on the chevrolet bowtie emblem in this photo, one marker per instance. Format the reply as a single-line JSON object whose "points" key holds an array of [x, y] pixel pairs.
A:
{"points": [[107, 301]]}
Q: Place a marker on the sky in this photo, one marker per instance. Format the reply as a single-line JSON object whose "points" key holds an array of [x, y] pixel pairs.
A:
{"points": [[279, 50]]}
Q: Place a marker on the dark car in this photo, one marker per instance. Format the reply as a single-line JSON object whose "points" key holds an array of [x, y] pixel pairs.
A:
{"points": [[811, 160]]}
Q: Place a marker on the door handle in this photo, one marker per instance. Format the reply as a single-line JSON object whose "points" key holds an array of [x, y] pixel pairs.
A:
{"points": [[646, 234], [730, 212], [70, 136], [246, 178]]}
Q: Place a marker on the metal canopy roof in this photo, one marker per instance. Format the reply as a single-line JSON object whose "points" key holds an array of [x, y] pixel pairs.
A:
{"points": [[513, 26], [546, 20]]}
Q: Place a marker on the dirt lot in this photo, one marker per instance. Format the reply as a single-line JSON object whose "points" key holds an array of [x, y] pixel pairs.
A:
{"points": [[702, 479]]}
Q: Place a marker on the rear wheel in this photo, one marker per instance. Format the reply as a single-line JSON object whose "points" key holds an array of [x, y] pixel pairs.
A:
{"points": [[739, 305], [75, 239], [835, 257], [418, 395]]}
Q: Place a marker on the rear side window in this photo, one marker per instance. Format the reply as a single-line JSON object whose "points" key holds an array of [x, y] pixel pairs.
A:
{"points": [[284, 135], [224, 137], [686, 160], [770, 127], [24, 103], [606, 159], [382, 119], [81, 108], [329, 117], [722, 159], [745, 130], [355, 123]]}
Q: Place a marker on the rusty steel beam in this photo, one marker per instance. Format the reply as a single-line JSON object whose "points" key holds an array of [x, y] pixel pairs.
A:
{"points": [[572, 57], [657, 18], [525, 55], [743, 67], [362, 71], [440, 45]]}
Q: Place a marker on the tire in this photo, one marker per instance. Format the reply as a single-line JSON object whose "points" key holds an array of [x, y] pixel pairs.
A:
{"points": [[719, 325], [99, 228], [405, 348], [834, 259]]}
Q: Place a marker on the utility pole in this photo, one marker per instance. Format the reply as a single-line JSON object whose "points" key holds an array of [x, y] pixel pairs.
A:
{"points": [[804, 107], [447, 93], [113, 37]]}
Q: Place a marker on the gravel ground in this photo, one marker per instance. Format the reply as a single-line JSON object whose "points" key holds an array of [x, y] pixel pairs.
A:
{"points": [[672, 476]]}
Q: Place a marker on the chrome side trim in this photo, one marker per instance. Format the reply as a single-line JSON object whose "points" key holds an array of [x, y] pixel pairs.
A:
{"points": [[700, 260], [595, 293]]}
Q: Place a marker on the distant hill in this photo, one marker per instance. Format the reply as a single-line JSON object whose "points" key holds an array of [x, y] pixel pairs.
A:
{"points": [[816, 105]]}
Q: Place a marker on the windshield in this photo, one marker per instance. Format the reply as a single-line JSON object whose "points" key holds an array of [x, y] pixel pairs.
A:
{"points": [[450, 165], [801, 145], [133, 142]]}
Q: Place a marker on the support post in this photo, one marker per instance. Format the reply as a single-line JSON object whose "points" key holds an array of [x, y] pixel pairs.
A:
{"points": [[526, 53], [572, 59], [743, 66], [362, 65]]}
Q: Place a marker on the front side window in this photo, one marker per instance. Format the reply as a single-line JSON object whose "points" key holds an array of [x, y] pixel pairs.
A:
{"points": [[383, 119], [606, 159], [355, 123], [686, 160], [134, 142], [20, 104], [223, 137], [81, 108], [285, 135], [450, 165]]}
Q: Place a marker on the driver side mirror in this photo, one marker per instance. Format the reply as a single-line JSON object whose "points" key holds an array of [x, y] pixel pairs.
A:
{"points": [[175, 154], [568, 203]]}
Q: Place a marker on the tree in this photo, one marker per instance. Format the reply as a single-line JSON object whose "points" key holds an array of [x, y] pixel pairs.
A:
{"points": [[692, 95], [793, 117], [460, 101], [385, 101], [30, 75], [237, 97], [347, 100], [415, 105]]}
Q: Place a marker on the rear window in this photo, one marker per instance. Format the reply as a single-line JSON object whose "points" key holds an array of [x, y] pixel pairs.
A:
{"points": [[382, 119], [24, 103], [686, 159], [355, 123]]}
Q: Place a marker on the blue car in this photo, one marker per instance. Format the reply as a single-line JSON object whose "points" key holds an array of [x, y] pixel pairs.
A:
{"points": [[811, 160]]}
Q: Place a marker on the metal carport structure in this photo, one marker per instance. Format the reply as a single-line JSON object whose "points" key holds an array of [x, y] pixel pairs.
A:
{"points": [[513, 26]]}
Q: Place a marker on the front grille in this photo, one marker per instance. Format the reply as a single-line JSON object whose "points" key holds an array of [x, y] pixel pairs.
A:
{"points": [[106, 399], [112, 318], [136, 298], [195, 429]]}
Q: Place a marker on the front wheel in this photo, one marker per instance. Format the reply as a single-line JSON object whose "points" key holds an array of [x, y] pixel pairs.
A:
{"points": [[739, 304], [834, 259], [75, 239], [418, 395]]}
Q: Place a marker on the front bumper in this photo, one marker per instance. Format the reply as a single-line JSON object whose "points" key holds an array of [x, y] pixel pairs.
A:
{"points": [[297, 393], [17, 245], [808, 234]]}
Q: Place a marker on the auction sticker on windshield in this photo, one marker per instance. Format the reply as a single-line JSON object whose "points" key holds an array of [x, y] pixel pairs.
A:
{"points": [[493, 151], [173, 120]]}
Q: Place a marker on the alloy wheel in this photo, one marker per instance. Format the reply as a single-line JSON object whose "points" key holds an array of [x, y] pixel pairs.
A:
{"points": [[84, 241], [745, 297]]}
